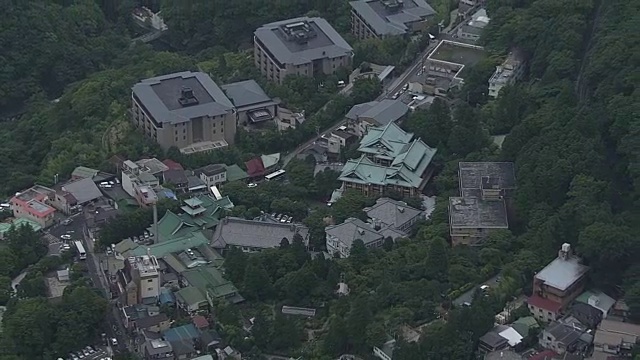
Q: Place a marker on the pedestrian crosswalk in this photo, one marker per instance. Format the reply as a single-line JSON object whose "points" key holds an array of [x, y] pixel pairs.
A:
{"points": [[51, 239]]}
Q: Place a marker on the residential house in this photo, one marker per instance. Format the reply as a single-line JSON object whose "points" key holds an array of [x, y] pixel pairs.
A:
{"points": [[525, 326], [141, 178], [361, 117], [598, 300], [393, 214], [200, 322], [212, 174], [182, 339], [492, 341], [177, 178], [157, 349], [229, 353], [481, 207], [473, 28], [466, 6], [252, 104], [392, 160], [203, 285], [83, 172], [616, 337], [255, 235], [133, 313], [620, 310], [184, 350], [34, 204], [302, 46], [557, 285], [340, 238], [384, 18], [586, 314], [338, 140], [560, 337], [510, 71], [186, 110]]}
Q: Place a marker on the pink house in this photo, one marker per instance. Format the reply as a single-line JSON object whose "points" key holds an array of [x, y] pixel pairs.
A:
{"points": [[33, 204]]}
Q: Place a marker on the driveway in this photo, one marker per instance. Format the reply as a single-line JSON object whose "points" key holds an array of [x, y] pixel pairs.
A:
{"points": [[468, 296]]}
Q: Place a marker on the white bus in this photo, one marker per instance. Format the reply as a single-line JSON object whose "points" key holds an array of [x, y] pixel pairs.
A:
{"points": [[81, 252], [274, 175]]}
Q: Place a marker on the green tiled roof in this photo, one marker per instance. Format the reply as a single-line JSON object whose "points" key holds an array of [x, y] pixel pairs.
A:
{"points": [[191, 296], [179, 244], [173, 225], [365, 171], [5, 227], [84, 172], [209, 280], [234, 173], [387, 142], [530, 321]]}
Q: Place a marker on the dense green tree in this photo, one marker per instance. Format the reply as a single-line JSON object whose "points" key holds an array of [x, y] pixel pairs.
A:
{"points": [[632, 298], [358, 320], [336, 341], [437, 262], [256, 284]]}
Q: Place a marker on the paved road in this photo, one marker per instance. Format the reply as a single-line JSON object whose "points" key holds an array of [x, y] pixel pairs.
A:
{"points": [[468, 296], [396, 85]]}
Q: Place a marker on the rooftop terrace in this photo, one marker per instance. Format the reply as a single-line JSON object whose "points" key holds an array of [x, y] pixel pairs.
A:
{"points": [[475, 176], [473, 213]]}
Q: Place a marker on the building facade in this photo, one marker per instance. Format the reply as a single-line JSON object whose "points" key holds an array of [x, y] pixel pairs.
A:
{"points": [[301, 46], [557, 285], [383, 18], [35, 204], [186, 110], [145, 274]]}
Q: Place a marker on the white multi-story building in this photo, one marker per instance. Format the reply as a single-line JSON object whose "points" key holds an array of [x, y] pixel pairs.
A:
{"points": [[145, 273], [508, 73]]}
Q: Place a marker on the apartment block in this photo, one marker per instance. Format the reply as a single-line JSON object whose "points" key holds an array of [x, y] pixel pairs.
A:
{"points": [[186, 110], [35, 204], [144, 278], [508, 73], [383, 18], [392, 160], [481, 207], [557, 285], [302, 46]]}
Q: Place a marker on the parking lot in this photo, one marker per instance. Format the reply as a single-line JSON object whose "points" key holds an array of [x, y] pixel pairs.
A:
{"points": [[98, 353]]}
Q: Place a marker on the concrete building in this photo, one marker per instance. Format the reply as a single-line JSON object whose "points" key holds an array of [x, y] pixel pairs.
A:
{"points": [[615, 338], [557, 285], [144, 272], [559, 337], [35, 204], [511, 70], [473, 28], [338, 140], [340, 238], [361, 117], [383, 18], [393, 214], [186, 110], [252, 104], [301, 46], [481, 206], [392, 160], [141, 178]]}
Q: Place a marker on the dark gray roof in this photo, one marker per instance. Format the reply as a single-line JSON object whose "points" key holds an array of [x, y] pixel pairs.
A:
{"points": [[246, 93], [391, 212], [587, 314], [149, 321], [211, 169], [175, 176], [382, 112], [473, 30], [159, 96], [563, 333], [471, 176], [84, 190], [388, 22], [155, 347], [327, 44], [257, 234], [492, 339], [474, 213], [353, 229]]}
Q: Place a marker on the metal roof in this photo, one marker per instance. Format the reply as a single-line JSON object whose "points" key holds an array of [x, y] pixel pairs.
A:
{"points": [[327, 44], [256, 234], [351, 230], [159, 95], [246, 93], [385, 22], [562, 273], [382, 112], [84, 190], [391, 212]]}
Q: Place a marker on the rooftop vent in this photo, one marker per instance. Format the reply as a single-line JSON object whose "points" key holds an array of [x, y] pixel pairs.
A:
{"points": [[300, 32], [187, 98], [565, 251], [360, 231], [393, 5], [400, 209]]}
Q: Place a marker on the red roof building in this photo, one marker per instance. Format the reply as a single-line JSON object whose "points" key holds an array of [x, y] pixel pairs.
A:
{"points": [[172, 165], [255, 168], [200, 322], [545, 355]]}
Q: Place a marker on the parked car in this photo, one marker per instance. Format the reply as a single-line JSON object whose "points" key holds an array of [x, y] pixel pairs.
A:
{"points": [[67, 222], [114, 341]]}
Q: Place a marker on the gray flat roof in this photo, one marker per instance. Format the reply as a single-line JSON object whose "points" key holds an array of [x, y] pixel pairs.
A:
{"points": [[391, 212], [326, 44], [474, 213], [471, 176], [383, 112], [351, 230], [385, 21], [159, 95], [246, 93], [84, 190], [562, 273], [257, 234]]}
